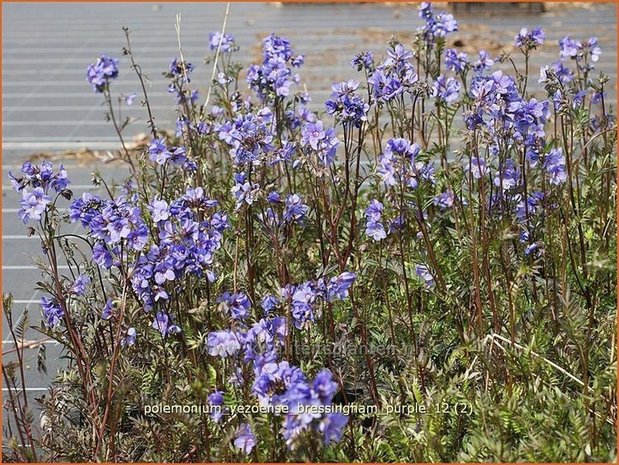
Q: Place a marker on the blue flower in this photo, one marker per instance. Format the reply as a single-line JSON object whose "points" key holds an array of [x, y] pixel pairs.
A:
{"points": [[530, 39], [423, 272], [245, 440], [477, 167], [33, 205], [338, 286], [106, 314], [437, 25], [295, 210], [322, 141], [274, 78], [216, 402], [81, 282], [374, 227], [100, 73], [129, 338], [42, 176], [162, 323], [364, 60], [237, 304], [446, 89], [52, 312], [456, 61], [554, 163], [226, 41], [444, 200], [484, 63], [159, 209], [158, 151], [508, 175], [223, 344], [269, 302], [332, 426]]}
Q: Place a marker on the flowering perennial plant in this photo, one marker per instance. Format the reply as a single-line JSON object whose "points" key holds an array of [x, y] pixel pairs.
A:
{"points": [[439, 207]]}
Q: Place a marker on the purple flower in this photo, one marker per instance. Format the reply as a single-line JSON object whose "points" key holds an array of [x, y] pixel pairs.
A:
{"points": [[374, 227], [129, 338], [245, 440], [81, 282], [332, 426], [346, 105], [325, 386], [554, 163], [446, 89], [158, 151], [106, 314], [569, 48], [162, 323], [322, 141], [444, 200], [456, 61], [338, 286], [33, 205], [437, 25], [237, 304], [159, 209], [223, 344], [226, 41], [129, 98], [269, 302], [274, 78], [216, 402], [100, 73], [484, 63], [423, 272], [477, 167], [52, 312], [508, 176], [181, 69], [42, 176], [295, 210], [364, 60], [530, 39]]}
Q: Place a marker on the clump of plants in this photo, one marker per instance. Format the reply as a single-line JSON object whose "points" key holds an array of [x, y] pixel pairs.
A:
{"points": [[422, 270]]}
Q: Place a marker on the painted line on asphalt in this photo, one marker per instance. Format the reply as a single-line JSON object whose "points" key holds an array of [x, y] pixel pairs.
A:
{"points": [[32, 342], [71, 186], [15, 210], [26, 389], [29, 267]]}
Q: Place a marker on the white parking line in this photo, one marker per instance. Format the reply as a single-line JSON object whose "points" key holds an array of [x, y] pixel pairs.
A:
{"points": [[15, 210], [29, 267], [61, 145], [71, 186], [33, 342], [27, 389]]}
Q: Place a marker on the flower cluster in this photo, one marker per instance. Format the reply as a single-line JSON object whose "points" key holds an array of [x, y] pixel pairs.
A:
{"points": [[346, 105], [394, 76], [100, 73], [225, 43], [530, 40], [36, 185], [274, 77], [373, 215], [275, 382], [320, 141], [159, 153], [437, 25]]}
